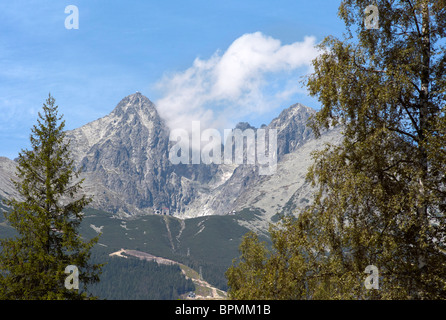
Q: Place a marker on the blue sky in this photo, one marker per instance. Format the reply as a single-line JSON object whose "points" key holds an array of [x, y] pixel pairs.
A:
{"points": [[216, 61]]}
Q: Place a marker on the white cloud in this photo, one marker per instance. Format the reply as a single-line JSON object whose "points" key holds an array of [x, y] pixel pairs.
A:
{"points": [[235, 83]]}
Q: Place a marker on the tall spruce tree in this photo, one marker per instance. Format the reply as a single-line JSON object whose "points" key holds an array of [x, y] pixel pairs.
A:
{"points": [[381, 194], [32, 264]]}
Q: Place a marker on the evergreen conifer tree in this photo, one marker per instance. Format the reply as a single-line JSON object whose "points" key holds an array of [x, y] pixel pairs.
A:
{"points": [[47, 218]]}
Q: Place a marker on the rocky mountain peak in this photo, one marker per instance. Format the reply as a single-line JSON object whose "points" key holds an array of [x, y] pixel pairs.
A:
{"points": [[136, 105], [292, 129], [243, 126], [295, 113], [125, 164], [123, 156]]}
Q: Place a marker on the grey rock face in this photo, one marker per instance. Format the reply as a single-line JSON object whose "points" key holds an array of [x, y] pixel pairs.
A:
{"points": [[277, 193], [124, 158], [124, 161], [7, 173], [292, 131]]}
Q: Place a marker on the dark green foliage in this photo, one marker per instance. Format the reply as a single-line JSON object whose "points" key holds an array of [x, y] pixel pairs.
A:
{"points": [[212, 248], [33, 262], [134, 279], [212, 273]]}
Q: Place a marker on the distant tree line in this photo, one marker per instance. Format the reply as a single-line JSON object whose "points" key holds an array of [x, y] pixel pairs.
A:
{"points": [[212, 273], [135, 279]]}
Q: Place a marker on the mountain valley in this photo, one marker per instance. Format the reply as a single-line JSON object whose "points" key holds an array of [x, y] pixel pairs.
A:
{"points": [[193, 214]]}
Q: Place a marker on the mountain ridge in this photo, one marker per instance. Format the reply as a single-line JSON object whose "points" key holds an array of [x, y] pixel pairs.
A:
{"points": [[124, 157]]}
